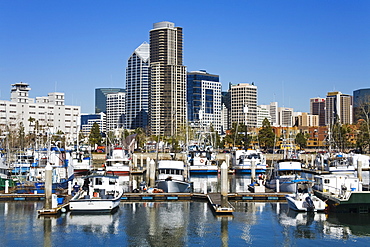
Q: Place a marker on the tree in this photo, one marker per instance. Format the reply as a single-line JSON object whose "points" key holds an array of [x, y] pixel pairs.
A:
{"points": [[95, 137], [301, 140], [238, 136], [266, 135]]}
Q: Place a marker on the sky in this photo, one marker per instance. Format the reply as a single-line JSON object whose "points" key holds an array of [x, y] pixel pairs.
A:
{"points": [[291, 50]]}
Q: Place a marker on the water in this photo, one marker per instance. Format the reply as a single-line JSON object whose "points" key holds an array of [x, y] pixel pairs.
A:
{"points": [[181, 224]]}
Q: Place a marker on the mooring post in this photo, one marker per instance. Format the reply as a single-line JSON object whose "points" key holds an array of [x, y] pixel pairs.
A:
{"points": [[152, 173], [48, 185], [253, 170]]}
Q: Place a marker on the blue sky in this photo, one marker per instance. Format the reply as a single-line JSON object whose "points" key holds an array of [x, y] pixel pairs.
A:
{"points": [[291, 50]]}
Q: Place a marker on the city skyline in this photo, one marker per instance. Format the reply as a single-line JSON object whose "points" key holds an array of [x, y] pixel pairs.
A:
{"points": [[292, 51]]}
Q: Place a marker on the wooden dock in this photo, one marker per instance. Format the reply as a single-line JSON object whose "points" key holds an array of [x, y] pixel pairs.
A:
{"points": [[219, 206]]}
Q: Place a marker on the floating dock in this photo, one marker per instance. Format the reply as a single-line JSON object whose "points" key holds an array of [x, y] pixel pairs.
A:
{"points": [[219, 205]]}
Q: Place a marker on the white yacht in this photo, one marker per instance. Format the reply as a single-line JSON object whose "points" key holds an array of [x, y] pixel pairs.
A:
{"points": [[101, 193], [243, 159], [171, 177], [304, 199]]}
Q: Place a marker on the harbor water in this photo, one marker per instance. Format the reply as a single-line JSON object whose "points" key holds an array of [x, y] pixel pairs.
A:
{"points": [[181, 224]]}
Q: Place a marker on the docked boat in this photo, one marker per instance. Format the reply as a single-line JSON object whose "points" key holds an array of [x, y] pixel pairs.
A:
{"points": [[285, 171], [118, 162], [339, 163], [202, 162], [343, 193], [243, 160], [304, 199], [171, 178], [100, 193], [81, 162]]}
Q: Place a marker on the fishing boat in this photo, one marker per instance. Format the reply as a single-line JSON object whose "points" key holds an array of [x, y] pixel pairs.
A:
{"points": [[100, 193], [285, 171], [171, 178], [202, 161], [81, 162], [339, 163], [304, 199], [118, 162], [243, 161], [342, 192]]}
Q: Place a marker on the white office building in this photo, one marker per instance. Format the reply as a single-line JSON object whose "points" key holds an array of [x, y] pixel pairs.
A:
{"points": [[49, 113], [116, 110]]}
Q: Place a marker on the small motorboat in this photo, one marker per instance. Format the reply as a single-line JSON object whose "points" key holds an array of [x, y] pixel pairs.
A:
{"points": [[304, 199], [100, 193]]}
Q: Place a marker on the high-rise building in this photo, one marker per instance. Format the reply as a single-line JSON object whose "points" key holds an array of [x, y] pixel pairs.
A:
{"points": [[226, 109], [101, 98], [317, 107], [361, 102], [274, 114], [244, 104], [137, 88], [204, 99], [45, 114], [263, 112], [88, 120], [167, 89], [307, 120], [116, 110], [285, 116], [338, 108]]}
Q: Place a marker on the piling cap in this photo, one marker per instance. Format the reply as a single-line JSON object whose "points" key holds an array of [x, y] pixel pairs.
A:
{"points": [[223, 165], [48, 167]]}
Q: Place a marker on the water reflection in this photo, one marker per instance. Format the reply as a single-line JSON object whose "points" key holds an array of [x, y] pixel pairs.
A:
{"points": [[205, 183]]}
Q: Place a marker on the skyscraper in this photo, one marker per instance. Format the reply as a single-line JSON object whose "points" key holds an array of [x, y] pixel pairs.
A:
{"points": [[204, 99], [101, 98], [244, 104], [137, 88], [317, 107], [116, 110], [361, 103], [167, 89], [338, 108]]}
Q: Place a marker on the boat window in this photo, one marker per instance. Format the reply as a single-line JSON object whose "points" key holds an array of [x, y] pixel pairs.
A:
{"points": [[98, 181], [112, 181], [326, 181]]}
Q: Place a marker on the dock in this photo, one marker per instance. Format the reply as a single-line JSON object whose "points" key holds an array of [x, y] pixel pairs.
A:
{"points": [[219, 206]]}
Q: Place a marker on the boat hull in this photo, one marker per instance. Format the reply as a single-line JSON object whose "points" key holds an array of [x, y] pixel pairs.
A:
{"points": [[171, 186], [300, 204], [94, 205], [284, 185]]}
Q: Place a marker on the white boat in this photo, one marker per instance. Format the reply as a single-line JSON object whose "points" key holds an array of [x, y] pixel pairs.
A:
{"points": [[103, 195], [283, 174], [118, 162], [202, 162], [171, 177], [304, 199], [338, 163], [81, 163], [242, 161]]}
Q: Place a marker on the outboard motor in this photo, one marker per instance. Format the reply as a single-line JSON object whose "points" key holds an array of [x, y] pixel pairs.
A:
{"points": [[310, 205]]}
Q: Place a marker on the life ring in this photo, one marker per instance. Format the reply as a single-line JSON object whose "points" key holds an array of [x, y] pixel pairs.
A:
{"points": [[201, 160]]}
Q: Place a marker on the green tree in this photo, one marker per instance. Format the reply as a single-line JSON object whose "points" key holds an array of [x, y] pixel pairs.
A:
{"points": [[238, 136], [95, 137], [301, 140], [266, 135]]}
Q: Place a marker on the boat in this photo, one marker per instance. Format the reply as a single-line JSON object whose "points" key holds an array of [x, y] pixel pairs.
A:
{"points": [[81, 162], [304, 199], [339, 163], [285, 171], [171, 177], [342, 192], [243, 160], [202, 161], [118, 162], [100, 193]]}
